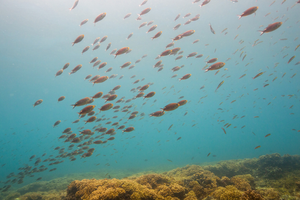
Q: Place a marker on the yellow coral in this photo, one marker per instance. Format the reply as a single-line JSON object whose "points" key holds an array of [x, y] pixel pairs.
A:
{"points": [[228, 193], [240, 183], [269, 194]]}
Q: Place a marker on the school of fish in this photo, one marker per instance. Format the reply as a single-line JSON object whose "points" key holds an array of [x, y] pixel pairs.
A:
{"points": [[111, 113]]}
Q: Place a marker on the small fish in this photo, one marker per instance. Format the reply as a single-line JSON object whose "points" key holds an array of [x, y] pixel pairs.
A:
{"points": [[268, 135], [143, 3], [127, 15], [219, 85], [74, 5], [257, 147], [271, 27], [129, 36], [78, 39], [84, 22], [249, 11], [145, 11], [170, 127], [223, 130], [179, 138], [177, 17], [99, 18], [211, 29], [242, 76], [257, 75], [290, 60], [208, 154], [204, 3]]}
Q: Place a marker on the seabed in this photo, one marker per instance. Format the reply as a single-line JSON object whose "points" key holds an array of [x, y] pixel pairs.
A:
{"points": [[270, 177]]}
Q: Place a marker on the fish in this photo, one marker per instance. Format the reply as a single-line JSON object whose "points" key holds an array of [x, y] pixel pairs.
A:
{"points": [[143, 3], [78, 39], [74, 5], [219, 85], [145, 11], [215, 66], [101, 79], [85, 49], [99, 18], [152, 28], [86, 109], [177, 26], [157, 113], [257, 147], [84, 22], [208, 154], [211, 29], [242, 76], [204, 3], [103, 39], [182, 102], [96, 47], [38, 102], [121, 51], [59, 72], [127, 15], [143, 24], [212, 60], [66, 66], [171, 107], [271, 27], [156, 35], [268, 135], [191, 55], [129, 36], [185, 77], [223, 130], [249, 11], [94, 60], [75, 69], [61, 98], [106, 107], [290, 60], [257, 75], [177, 17]]}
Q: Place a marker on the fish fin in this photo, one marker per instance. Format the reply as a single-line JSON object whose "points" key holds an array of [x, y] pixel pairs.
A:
{"points": [[261, 32]]}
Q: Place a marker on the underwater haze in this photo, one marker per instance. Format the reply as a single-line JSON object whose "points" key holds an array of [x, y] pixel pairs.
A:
{"points": [[244, 109]]}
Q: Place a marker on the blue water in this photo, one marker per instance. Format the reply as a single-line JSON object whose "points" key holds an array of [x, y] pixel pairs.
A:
{"points": [[36, 41]]}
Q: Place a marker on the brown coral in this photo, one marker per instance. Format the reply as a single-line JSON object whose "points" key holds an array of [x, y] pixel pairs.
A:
{"points": [[227, 193], [240, 183], [269, 194], [251, 195]]}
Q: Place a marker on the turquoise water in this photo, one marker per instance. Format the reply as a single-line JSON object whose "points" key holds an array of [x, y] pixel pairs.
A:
{"points": [[36, 42]]}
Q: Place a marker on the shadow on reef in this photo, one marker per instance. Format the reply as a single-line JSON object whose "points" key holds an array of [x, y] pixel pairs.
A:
{"points": [[270, 177]]}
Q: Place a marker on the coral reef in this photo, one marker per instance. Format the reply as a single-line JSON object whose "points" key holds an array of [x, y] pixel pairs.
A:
{"points": [[269, 194], [251, 195], [228, 193], [241, 182], [270, 177]]}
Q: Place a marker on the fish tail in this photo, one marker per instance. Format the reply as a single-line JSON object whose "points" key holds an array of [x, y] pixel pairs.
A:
{"points": [[240, 16], [73, 43], [261, 32]]}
